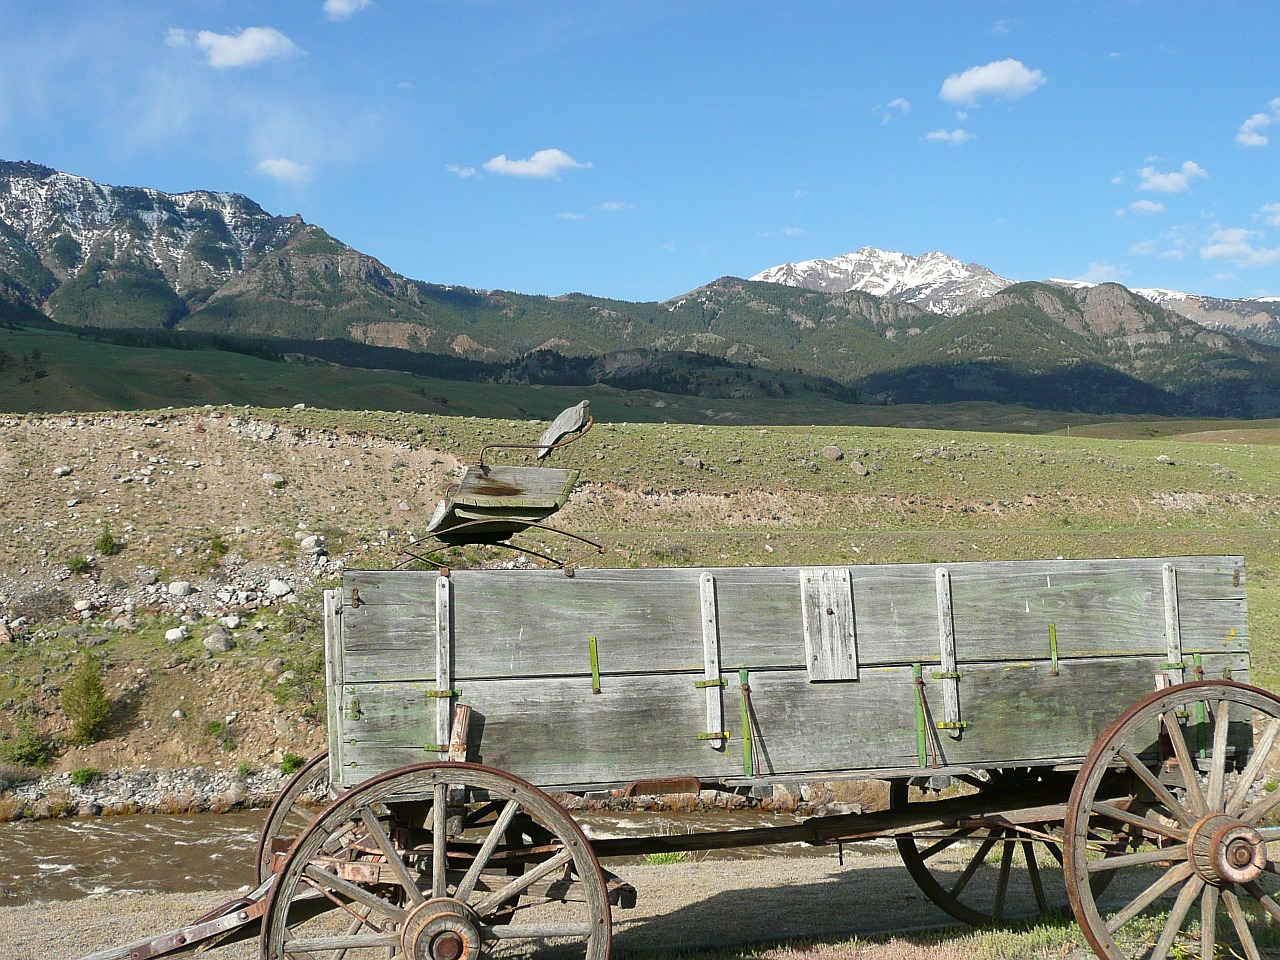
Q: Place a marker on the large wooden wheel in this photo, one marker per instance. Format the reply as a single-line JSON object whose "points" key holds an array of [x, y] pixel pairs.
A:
{"points": [[439, 861], [989, 870], [1181, 773], [306, 793]]}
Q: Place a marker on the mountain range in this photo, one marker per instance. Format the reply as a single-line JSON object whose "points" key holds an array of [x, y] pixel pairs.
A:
{"points": [[873, 324]]}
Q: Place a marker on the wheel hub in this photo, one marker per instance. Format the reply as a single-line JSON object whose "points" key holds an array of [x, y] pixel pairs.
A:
{"points": [[441, 929], [1225, 850]]}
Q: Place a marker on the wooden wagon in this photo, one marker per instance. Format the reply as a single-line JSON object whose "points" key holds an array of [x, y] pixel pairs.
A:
{"points": [[1050, 725]]}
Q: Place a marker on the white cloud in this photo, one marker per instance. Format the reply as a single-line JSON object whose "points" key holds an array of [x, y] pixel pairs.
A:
{"points": [[1101, 273], [613, 206], [543, 165], [784, 232], [1270, 214], [250, 46], [1146, 208], [901, 103], [1236, 245], [290, 171], [344, 9], [952, 137], [571, 216], [1001, 79], [177, 38], [1250, 133], [1178, 181], [886, 113], [458, 171]]}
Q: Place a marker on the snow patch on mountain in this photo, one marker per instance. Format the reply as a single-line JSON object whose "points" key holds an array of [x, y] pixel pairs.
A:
{"points": [[934, 281]]}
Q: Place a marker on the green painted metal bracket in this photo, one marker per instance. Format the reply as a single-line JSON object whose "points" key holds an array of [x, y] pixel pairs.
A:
{"points": [[353, 712], [917, 673], [1180, 665], [595, 665], [948, 675], [1053, 649], [950, 724], [435, 748], [722, 735], [442, 694], [748, 758], [703, 684]]}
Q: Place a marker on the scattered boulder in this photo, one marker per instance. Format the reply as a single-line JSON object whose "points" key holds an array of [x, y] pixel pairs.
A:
{"points": [[177, 634], [279, 588], [181, 588], [62, 471], [832, 452], [858, 467], [1167, 461], [218, 639], [274, 479]]}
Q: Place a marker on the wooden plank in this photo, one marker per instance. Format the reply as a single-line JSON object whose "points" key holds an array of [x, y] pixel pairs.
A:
{"points": [[645, 727], [333, 675], [828, 623], [714, 683], [444, 659], [532, 623], [539, 488], [1172, 628], [949, 675]]}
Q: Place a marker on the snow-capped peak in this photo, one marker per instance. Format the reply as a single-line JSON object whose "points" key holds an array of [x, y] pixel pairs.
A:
{"points": [[932, 281]]}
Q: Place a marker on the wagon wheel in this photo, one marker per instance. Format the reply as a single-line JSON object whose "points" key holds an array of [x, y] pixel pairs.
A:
{"points": [[1001, 871], [439, 861], [306, 792], [1210, 850]]}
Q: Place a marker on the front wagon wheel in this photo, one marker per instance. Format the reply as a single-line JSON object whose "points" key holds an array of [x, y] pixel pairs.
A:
{"points": [[439, 861], [1183, 775]]}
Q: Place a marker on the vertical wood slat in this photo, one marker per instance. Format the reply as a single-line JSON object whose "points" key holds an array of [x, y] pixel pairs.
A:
{"points": [[951, 721], [1172, 624], [444, 659], [826, 611], [333, 646], [711, 658]]}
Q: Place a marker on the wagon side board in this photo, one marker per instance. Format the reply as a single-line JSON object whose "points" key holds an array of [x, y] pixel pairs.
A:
{"points": [[611, 676]]}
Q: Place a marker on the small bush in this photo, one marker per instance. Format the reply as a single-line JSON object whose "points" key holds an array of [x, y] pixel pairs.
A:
{"points": [[79, 565], [84, 776], [244, 771], [291, 763], [15, 775], [29, 749], [107, 545], [85, 702]]}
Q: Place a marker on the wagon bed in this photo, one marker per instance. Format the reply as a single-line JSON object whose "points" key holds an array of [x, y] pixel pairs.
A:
{"points": [[742, 676]]}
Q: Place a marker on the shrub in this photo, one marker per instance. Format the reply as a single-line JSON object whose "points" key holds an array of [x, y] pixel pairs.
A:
{"points": [[79, 565], [85, 702], [84, 776], [291, 763], [107, 545], [244, 771], [29, 749]]}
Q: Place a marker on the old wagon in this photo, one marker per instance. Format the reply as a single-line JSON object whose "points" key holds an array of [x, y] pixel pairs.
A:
{"points": [[1080, 729]]}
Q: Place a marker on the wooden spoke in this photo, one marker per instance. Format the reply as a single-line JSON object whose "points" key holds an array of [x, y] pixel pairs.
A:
{"points": [[1193, 873], [1177, 916], [1002, 885], [1170, 879], [468, 882], [1241, 925], [1208, 922], [513, 932], [1143, 858], [1218, 758], [394, 860], [946, 842], [1268, 902], [1156, 787], [972, 867], [512, 889], [1137, 820], [1190, 778], [1262, 807], [1250, 774], [328, 881], [315, 944]]}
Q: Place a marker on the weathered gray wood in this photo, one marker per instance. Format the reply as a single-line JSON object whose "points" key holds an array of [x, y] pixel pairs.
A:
{"points": [[444, 660], [714, 688], [333, 676], [524, 623], [553, 731], [827, 620], [949, 678], [569, 421], [1172, 627], [502, 487]]}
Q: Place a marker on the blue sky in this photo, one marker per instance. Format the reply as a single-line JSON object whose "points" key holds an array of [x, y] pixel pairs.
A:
{"points": [[636, 150]]}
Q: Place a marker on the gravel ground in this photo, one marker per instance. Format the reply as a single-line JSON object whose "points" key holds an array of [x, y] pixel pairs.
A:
{"points": [[712, 903]]}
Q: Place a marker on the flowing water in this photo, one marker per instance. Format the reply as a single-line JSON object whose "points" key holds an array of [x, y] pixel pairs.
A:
{"points": [[69, 859]]}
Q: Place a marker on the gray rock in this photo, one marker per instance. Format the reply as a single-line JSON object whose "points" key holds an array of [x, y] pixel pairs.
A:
{"points": [[177, 634], [859, 468], [181, 588], [274, 479], [62, 471], [832, 452], [1167, 461], [218, 639], [278, 588]]}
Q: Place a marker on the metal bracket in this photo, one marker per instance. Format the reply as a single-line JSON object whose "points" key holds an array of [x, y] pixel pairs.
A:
{"points": [[353, 712], [948, 675], [435, 747], [951, 724], [595, 664], [718, 735], [703, 684], [443, 693]]}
